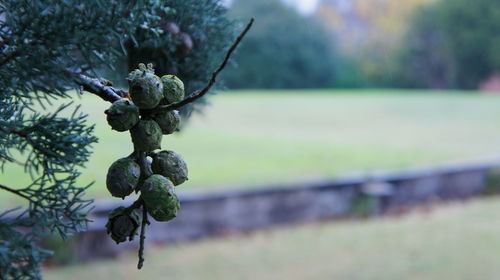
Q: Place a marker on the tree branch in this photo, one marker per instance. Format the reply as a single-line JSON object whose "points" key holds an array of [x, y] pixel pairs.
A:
{"points": [[142, 237], [97, 87], [16, 192], [111, 94], [141, 159], [200, 93]]}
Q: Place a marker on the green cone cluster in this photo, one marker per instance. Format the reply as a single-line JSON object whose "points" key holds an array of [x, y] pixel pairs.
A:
{"points": [[147, 92], [147, 124]]}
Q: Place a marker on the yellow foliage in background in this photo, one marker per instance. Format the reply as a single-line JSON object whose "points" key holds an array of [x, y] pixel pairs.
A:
{"points": [[369, 30], [359, 23]]}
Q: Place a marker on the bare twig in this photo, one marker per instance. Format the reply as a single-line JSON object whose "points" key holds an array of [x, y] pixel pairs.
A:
{"points": [[16, 192], [142, 160], [200, 93], [144, 223], [137, 204], [143, 163], [95, 86]]}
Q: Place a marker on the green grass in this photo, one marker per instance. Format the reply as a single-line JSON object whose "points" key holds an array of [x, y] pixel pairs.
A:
{"points": [[247, 138], [457, 241]]}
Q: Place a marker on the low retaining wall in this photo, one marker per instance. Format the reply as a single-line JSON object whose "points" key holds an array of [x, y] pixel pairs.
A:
{"points": [[226, 212]]}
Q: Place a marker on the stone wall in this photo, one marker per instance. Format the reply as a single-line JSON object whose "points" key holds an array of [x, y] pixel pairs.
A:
{"points": [[229, 212]]}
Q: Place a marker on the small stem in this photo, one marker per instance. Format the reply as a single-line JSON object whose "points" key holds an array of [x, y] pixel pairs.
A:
{"points": [[137, 204], [144, 223], [95, 86], [16, 192], [142, 160]]}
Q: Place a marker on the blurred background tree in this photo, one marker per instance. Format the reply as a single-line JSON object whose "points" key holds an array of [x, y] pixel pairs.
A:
{"points": [[360, 44], [452, 44], [368, 35], [50, 48], [284, 49], [417, 43]]}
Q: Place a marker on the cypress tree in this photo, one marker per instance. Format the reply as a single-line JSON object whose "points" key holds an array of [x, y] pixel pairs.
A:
{"points": [[53, 50]]}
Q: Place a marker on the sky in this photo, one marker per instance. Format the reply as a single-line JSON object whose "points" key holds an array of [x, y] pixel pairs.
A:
{"points": [[305, 7]]}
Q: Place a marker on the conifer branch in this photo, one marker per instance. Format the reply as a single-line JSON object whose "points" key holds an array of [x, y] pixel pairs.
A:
{"points": [[9, 57], [16, 192], [111, 94], [97, 87]]}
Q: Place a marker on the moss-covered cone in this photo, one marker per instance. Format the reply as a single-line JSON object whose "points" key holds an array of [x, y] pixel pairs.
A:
{"points": [[159, 196], [171, 165], [168, 121], [123, 177], [146, 135], [122, 115], [146, 89], [173, 89], [122, 225]]}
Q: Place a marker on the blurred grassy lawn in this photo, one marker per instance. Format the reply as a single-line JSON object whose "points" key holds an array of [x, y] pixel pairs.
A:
{"points": [[457, 241], [249, 138]]}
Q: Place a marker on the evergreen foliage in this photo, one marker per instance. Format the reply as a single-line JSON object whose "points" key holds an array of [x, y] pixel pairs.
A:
{"points": [[49, 48]]}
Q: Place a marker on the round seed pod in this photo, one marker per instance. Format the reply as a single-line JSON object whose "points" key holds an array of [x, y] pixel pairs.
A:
{"points": [[186, 44], [146, 135], [170, 27], [159, 196], [168, 121], [123, 177], [122, 115], [171, 165], [173, 89], [122, 225], [146, 89]]}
